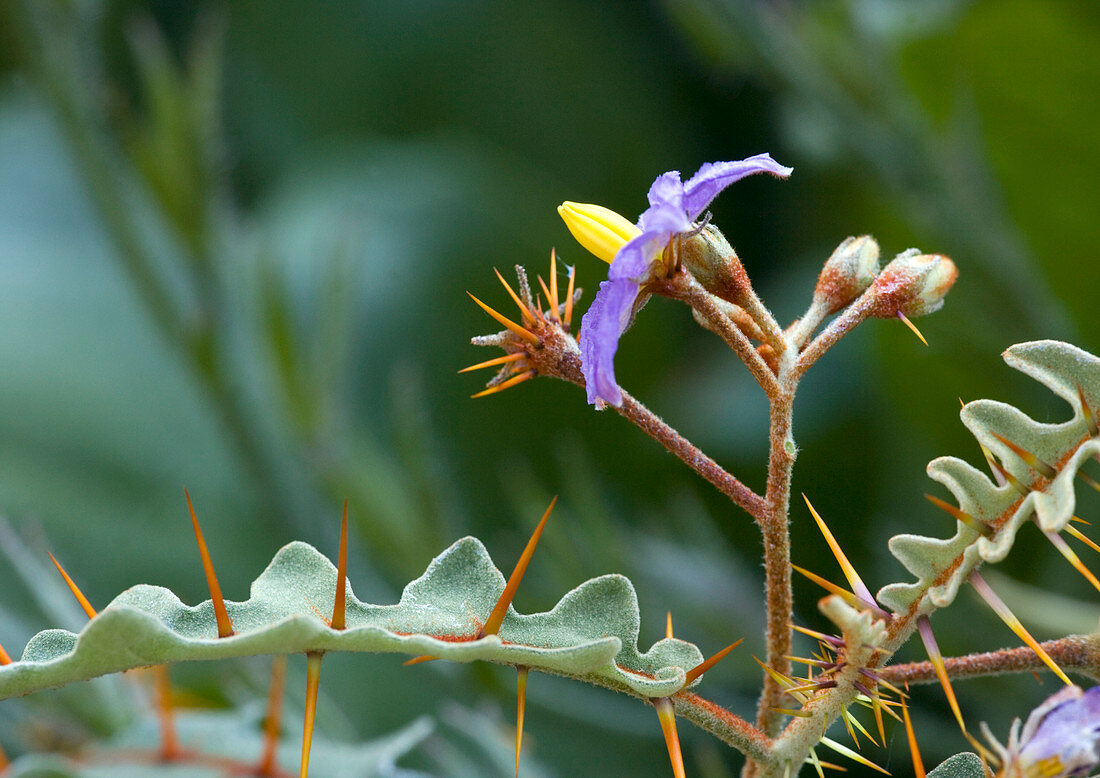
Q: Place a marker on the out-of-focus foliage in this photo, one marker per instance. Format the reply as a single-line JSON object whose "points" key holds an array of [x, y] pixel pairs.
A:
{"points": [[234, 245]]}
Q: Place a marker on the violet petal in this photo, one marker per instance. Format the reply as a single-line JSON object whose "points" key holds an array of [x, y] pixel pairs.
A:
{"points": [[1070, 732], [713, 177], [601, 328]]}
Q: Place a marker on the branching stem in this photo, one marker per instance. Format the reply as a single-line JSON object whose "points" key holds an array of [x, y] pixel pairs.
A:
{"points": [[852, 316], [685, 288], [652, 425], [1080, 653], [775, 526]]}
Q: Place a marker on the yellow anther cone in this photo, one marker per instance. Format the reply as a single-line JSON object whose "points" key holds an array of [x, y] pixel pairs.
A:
{"points": [[598, 229]]}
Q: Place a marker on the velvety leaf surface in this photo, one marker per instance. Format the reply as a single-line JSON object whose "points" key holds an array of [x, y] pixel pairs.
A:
{"points": [[964, 765], [941, 565], [591, 632]]}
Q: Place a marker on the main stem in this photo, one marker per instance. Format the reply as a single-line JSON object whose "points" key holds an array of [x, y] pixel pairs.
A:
{"points": [[775, 528]]}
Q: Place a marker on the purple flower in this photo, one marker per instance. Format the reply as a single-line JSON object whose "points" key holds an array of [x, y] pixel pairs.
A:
{"points": [[673, 208], [1061, 738], [1063, 734]]}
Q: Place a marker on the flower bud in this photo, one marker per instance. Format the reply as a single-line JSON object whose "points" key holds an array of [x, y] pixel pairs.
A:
{"points": [[914, 284], [849, 271], [598, 229], [708, 256]]}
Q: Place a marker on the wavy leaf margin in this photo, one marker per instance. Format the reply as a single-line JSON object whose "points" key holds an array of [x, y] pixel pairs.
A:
{"points": [[592, 632], [941, 565]]}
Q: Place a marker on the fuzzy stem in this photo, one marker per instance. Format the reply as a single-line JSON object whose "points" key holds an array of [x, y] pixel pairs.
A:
{"points": [[759, 312], [852, 316], [777, 553], [731, 729], [802, 329], [1080, 653], [560, 358], [685, 288], [686, 451]]}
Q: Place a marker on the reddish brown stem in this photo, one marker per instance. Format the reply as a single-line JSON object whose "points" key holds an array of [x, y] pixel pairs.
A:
{"points": [[777, 558], [724, 725], [1080, 653], [852, 316], [560, 358], [687, 452], [704, 304]]}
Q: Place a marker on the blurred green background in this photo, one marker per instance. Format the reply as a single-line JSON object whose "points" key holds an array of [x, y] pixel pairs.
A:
{"points": [[235, 241]]}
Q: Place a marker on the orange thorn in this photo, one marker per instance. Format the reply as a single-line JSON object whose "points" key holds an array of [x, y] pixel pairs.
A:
{"points": [[569, 296], [495, 361], [934, 656], [169, 743], [1088, 479], [492, 624], [416, 660], [1071, 557], [340, 604], [1082, 537], [998, 475], [848, 726], [1013, 623], [706, 664], [1029, 459], [783, 680], [668, 626], [267, 765], [830, 639], [913, 327], [313, 679], [816, 763], [667, 716], [1079, 520], [521, 704], [550, 299], [802, 714], [517, 379], [988, 456], [851, 719], [5, 659], [504, 320], [877, 705], [523, 309], [812, 662], [854, 600], [845, 751], [80, 598], [554, 304], [225, 624], [914, 750], [1009, 478], [1086, 411], [960, 515], [849, 571]]}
